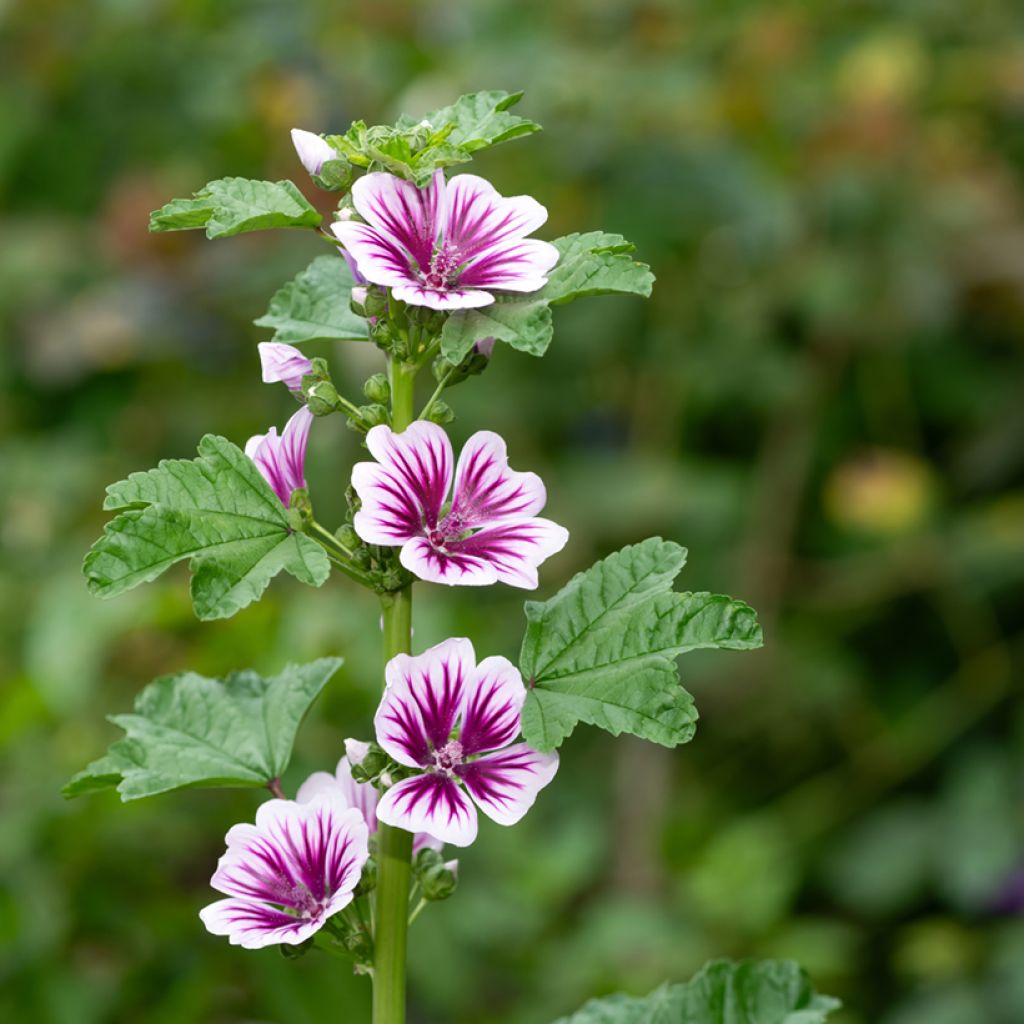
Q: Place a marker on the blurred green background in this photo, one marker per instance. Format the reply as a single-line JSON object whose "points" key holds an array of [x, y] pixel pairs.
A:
{"points": [[823, 400]]}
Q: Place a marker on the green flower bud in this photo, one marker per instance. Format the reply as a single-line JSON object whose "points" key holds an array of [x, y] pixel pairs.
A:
{"points": [[441, 413], [348, 537], [376, 301], [334, 176], [322, 398], [377, 388], [372, 415], [440, 881]]}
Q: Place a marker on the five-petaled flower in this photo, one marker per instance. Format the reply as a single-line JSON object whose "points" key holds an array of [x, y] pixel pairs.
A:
{"points": [[452, 721], [313, 151], [489, 532], [361, 795], [282, 460], [284, 363], [288, 873], [446, 245]]}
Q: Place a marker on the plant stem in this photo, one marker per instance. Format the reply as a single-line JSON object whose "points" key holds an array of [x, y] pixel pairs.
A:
{"points": [[394, 845], [442, 384]]}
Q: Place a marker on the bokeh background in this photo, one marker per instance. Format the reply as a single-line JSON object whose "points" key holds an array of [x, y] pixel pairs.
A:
{"points": [[823, 400]]}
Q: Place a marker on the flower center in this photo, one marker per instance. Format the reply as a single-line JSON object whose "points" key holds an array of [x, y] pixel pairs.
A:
{"points": [[443, 271], [448, 757], [302, 903]]}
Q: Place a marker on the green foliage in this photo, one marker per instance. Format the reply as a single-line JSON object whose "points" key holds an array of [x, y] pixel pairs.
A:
{"points": [[231, 206], [188, 730], [603, 649], [216, 510], [316, 305], [415, 147], [748, 992], [594, 263]]}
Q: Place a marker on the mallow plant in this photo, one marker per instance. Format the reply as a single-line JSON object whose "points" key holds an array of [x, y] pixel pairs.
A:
{"points": [[434, 267]]}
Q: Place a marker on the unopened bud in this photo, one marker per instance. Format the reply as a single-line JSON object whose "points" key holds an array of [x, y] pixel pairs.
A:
{"points": [[321, 397], [376, 301], [372, 415], [441, 412], [348, 536], [439, 882], [377, 388], [335, 175], [370, 765]]}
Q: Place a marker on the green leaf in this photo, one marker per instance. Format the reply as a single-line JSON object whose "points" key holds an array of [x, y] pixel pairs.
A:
{"points": [[316, 305], [603, 649], [230, 206], [595, 263], [216, 510], [749, 992], [481, 119], [525, 325], [188, 730]]}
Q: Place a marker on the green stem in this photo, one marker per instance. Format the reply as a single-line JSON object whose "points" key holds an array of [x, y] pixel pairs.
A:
{"points": [[442, 384], [394, 854], [394, 845]]}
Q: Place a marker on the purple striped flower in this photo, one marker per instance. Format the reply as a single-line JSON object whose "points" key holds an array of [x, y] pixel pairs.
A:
{"points": [[313, 151], [452, 721], [282, 460], [489, 532], [284, 363], [288, 873], [447, 245], [361, 795]]}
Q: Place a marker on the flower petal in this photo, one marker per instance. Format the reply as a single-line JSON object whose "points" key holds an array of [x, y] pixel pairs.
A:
{"points": [[284, 363], [451, 298], [505, 784], [479, 217], [281, 460], [254, 925], [516, 266], [491, 710], [422, 700], [430, 803], [486, 490], [513, 550], [361, 795], [313, 151], [453, 568], [404, 490], [378, 256], [413, 217]]}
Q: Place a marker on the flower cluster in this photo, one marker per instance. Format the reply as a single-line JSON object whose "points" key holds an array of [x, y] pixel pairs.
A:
{"points": [[445, 717], [446, 726]]}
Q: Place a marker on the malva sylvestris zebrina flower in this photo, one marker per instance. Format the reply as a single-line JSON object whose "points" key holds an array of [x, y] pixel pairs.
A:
{"points": [[448, 245], [312, 150], [490, 531], [361, 795], [288, 873], [452, 721], [283, 363], [282, 459]]}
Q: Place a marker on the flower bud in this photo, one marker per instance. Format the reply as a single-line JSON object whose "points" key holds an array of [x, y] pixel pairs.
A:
{"points": [[372, 415], [377, 388], [376, 302], [358, 303], [348, 536], [335, 175], [313, 151], [321, 397], [370, 765], [441, 413], [439, 881]]}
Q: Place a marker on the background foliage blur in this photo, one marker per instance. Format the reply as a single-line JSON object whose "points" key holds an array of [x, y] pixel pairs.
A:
{"points": [[823, 401]]}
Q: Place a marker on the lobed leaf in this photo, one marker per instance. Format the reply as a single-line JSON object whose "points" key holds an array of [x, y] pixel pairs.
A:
{"points": [[231, 206], [603, 649], [187, 730], [316, 305], [217, 511], [482, 119], [595, 263], [524, 325], [749, 992]]}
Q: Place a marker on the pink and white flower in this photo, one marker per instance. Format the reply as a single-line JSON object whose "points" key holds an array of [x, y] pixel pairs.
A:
{"points": [[453, 722], [288, 873], [361, 795], [284, 363], [282, 460], [446, 245], [313, 151], [489, 532]]}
